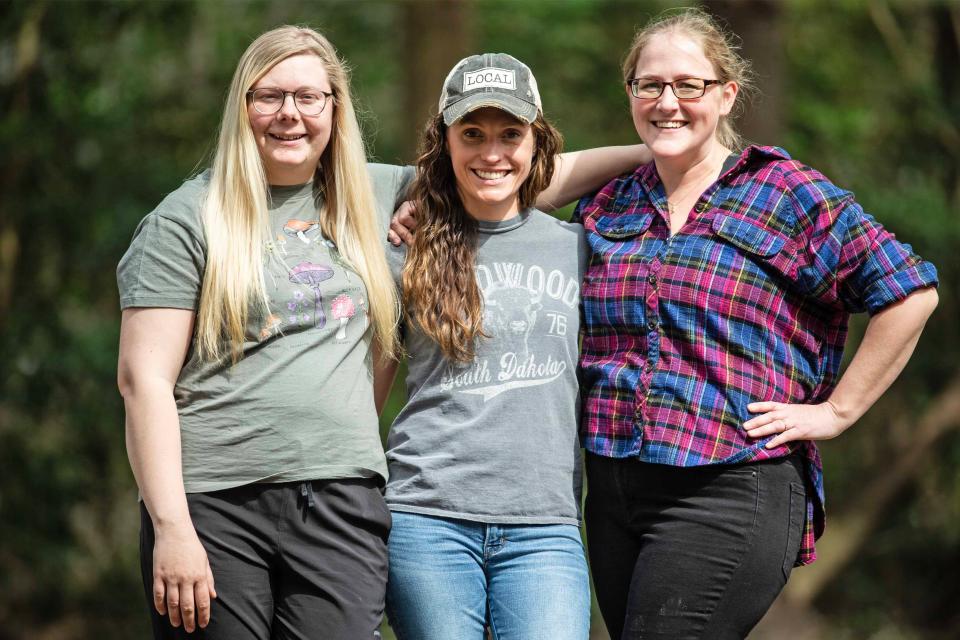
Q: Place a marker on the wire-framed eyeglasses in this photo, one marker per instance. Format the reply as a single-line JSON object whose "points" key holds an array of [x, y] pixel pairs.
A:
{"points": [[683, 88], [308, 100]]}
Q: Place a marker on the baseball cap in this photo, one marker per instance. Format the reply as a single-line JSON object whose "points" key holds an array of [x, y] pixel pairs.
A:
{"points": [[490, 80]]}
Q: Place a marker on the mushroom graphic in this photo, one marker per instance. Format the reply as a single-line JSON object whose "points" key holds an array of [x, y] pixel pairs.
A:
{"points": [[343, 309], [300, 228], [312, 275]]}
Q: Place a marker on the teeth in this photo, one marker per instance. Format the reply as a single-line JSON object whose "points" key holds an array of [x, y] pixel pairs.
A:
{"points": [[673, 124], [490, 175], [280, 137]]}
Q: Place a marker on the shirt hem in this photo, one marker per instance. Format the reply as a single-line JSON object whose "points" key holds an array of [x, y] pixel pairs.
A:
{"points": [[296, 475], [483, 518]]}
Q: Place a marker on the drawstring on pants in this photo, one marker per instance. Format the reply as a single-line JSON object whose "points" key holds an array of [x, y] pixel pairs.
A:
{"points": [[306, 491]]}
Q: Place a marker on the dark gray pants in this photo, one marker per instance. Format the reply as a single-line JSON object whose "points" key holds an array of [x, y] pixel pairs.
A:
{"points": [[290, 560], [695, 552]]}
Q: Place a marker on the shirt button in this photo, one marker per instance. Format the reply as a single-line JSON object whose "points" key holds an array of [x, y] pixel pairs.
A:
{"points": [[652, 279], [701, 207], [648, 367], [651, 324]]}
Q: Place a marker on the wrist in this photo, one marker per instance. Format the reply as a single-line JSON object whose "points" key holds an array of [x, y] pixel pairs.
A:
{"points": [[843, 413]]}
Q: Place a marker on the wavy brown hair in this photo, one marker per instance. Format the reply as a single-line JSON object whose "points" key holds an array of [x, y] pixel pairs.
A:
{"points": [[440, 292]]}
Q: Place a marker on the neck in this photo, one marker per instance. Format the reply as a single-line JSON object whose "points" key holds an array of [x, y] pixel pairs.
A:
{"points": [[678, 173], [493, 212], [288, 178]]}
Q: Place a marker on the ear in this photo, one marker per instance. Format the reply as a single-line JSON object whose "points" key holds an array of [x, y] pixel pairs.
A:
{"points": [[728, 97]]}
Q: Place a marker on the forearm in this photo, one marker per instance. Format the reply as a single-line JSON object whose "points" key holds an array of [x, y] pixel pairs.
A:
{"points": [[887, 345], [153, 448], [578, 173], [384, 373]]}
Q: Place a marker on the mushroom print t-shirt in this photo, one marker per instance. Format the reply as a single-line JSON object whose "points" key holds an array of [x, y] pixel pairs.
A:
{"points": [[299, 403], [495, 440]]}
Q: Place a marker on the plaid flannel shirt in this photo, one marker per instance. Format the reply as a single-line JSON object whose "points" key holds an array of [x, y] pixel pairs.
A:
{"points": [[749, 301]]}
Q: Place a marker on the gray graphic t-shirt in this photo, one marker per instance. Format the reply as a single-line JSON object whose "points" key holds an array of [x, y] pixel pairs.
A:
{"points": [[496, 440], [299, 404]]}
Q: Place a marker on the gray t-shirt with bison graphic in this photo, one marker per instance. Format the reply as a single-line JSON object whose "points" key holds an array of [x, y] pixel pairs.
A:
{"points": [[299, 403], [496, 440]]}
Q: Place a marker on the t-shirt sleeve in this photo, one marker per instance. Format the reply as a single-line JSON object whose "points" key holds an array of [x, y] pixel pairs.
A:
{"points": [[163, 266], [847, 258], [391, 185]]}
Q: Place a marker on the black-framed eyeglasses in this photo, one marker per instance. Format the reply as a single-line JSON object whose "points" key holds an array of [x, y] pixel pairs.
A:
{"points": [[269, 100], [683, 88]]}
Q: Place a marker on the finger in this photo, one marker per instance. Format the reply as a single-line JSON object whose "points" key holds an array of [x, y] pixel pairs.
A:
{"points": [[210, 585], [188, 607], [201, 595], [173, 604], [401, 231], [761, 420], [159, 596], [407, 214], [782, 438], [762, 407], [393, 238]]}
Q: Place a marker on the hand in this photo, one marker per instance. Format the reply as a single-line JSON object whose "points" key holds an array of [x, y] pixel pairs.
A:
{"points": [[402, 225], [794, 422], [182, 579]]}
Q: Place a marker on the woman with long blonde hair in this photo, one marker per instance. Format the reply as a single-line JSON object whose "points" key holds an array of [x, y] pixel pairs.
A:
{"points": [[251, 297]]}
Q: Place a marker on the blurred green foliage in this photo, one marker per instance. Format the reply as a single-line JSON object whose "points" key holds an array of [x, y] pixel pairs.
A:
{"points": [[107, 106]]}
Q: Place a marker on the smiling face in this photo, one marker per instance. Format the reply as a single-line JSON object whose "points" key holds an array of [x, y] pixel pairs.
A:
{"points": [[679, 130], [289, 142], [491, 152]]}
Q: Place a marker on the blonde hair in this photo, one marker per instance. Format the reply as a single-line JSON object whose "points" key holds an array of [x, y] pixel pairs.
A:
{"points": [[235, 214], [718, 47]]}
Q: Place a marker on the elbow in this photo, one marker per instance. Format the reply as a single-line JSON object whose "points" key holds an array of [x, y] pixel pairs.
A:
{"points": [[929, 298], [124, 381]]}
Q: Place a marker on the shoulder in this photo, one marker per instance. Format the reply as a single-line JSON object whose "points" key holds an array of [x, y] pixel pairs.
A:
{"points": [[544, 223], [773, 170], [390, 176], [182, 206], [621, 195]]}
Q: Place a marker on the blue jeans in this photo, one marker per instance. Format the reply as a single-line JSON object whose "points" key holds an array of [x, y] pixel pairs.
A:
{"points": [[453, 578]]}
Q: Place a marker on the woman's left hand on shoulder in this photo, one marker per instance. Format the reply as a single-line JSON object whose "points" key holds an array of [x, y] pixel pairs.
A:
{"points": [[794, 422]]}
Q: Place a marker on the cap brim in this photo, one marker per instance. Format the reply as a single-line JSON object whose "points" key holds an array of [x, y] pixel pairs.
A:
{"points": [[516, 107]]}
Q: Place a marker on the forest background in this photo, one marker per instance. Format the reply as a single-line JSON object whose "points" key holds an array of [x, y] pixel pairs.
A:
{"points": [[108, 106]]}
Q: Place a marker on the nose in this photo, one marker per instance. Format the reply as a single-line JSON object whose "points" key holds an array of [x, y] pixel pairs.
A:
{"points": [[492, 151], [668, 99], [288, 108]]}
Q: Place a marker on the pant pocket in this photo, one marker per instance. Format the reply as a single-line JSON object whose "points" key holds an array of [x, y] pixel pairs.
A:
{"points": [[798, 509]]}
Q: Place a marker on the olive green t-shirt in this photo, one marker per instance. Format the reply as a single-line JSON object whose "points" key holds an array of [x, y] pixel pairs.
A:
{"points": [[299, 403]]}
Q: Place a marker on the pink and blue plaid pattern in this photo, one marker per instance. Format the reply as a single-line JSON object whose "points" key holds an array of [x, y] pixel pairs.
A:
{"points": [[749, 301]]}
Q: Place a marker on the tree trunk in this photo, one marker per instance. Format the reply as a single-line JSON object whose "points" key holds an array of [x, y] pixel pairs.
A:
{"points": [[437, 34], [758, 23]]}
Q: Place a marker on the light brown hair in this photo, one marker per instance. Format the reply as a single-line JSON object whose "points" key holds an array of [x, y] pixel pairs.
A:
{"points": [[440, 291], [719, 47]]}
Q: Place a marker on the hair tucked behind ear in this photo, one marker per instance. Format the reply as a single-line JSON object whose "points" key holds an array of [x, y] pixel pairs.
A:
{"points": [[719, 47], [440, 292]]}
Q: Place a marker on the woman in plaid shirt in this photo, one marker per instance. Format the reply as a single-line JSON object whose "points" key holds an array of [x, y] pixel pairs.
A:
{"points": [[716, 304]]}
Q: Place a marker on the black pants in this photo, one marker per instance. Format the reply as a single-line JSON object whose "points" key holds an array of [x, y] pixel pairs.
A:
{"points": [[695, 552], [290, 561]]}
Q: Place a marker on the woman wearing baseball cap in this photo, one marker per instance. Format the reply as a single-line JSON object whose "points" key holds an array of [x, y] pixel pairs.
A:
{"points": [[484, 459]]}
